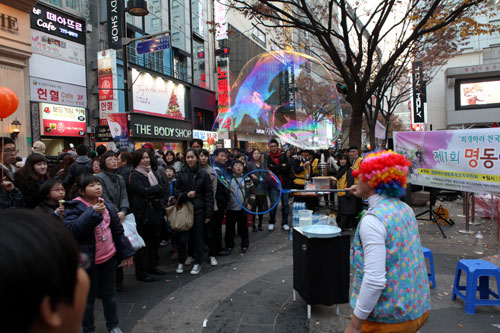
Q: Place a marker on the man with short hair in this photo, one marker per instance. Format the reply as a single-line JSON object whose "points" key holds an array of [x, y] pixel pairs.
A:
{"points": [[10, 196], [354, 157], [390, 290], [281, 166], [221, 198], [82, 165], [196, 144]]}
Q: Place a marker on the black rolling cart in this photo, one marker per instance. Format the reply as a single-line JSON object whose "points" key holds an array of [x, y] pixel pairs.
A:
{"points": [[321, 269]]}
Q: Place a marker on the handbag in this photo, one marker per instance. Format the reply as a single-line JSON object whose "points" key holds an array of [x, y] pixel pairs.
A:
{"points": [[130, 230], [181, 217]]}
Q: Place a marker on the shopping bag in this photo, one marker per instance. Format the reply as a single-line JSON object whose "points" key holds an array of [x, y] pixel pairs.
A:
{"points": [[181, 217], [131, 233]]}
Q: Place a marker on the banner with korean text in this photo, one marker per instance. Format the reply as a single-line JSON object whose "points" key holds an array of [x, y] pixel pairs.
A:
{"points": [[460, 160]]}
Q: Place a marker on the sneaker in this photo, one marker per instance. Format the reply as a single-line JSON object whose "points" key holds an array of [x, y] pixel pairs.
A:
{"points": [[213, 261], [164, 243], [270, 227], [285, 227], [180, 269], [196, 269], [189, 261], [244, 249], [116, 330]]}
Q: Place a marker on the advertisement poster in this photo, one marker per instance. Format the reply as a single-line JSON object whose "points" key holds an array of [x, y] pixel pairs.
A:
{"points": [[118, 126], [60, 120], [158, 97], [57, 92], [56, 47], [479, 93], [205, 135], [108, 84], [460, 160]]}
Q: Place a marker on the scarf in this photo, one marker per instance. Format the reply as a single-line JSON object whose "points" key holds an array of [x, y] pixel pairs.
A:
{"points": [[146, 171], [342, 170], [275, 157]]}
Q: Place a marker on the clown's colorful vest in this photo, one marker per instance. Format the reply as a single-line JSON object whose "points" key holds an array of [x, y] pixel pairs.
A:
{"points": [[406, 295]]}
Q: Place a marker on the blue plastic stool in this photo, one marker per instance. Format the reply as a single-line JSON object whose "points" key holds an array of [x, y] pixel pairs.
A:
{"points": [[428, 255], [476, 269]]}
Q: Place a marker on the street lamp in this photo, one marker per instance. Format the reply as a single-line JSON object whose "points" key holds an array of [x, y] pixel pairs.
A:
{"points": [[137, 7], [16, 129]]}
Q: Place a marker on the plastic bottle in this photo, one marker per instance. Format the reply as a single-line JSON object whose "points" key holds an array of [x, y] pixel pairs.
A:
{"points": [[479, 243]]}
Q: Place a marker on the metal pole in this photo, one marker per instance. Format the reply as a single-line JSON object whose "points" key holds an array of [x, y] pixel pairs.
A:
{"points": [[473, 209], [467, 224], [125, 60], [463, 205]]}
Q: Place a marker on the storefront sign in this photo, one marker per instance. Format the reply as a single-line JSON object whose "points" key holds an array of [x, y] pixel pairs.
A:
{"points": [[143, 126], [157, 96], [8, 22], [204, 135], [108, 84], [56, 23], [60, 120], [59, 48], [266, 130], [419, 98], [103, 134], [459, 160], [57, 92], [224, 117], [221, 27], [115, 23]]}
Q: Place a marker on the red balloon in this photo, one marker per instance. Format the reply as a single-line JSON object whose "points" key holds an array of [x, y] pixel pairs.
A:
{"points": [[8, 102]]}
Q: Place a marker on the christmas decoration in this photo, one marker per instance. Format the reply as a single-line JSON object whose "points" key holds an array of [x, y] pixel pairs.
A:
{"points": [[173, 107]]}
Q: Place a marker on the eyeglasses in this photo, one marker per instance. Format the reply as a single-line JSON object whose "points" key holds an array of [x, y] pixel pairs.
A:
{"points": [[10, 151]]}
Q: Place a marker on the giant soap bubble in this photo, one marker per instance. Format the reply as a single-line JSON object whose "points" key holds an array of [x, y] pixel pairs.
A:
{"points": [[284, 94]]}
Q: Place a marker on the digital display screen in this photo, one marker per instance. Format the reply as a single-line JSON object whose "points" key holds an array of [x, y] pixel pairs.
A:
{"points": [[479, 93]]}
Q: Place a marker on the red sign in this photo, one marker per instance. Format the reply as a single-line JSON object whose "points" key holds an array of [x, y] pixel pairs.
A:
{"points": [[63, 128], [224, 100], [105, 87], [61, 120]]}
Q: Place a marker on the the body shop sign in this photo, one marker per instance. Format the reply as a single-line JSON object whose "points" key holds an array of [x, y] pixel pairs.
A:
{"points": [[157, 96], [56, 23], [150, 127], [60, 120], [57, 92]]}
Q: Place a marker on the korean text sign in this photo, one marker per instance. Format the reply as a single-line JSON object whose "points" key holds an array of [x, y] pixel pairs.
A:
{"points": [[60, 120], [461, 160]]}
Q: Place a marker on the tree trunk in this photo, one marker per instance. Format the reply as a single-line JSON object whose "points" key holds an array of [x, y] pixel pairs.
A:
{"points": [[356, 125], [387, 124], [371, 133]]}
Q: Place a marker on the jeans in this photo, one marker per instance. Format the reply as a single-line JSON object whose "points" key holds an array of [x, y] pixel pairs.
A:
{"points": [[285, 208], [239, 218], [196, 233], [102, 281]]}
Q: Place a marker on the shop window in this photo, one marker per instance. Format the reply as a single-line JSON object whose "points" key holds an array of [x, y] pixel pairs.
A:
{"points": [[203, 120], [259, 36], [180, 66], [71, 5], [200, 78]]}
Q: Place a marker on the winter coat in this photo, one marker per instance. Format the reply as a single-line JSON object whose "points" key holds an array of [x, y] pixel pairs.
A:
{"points": [[347, 202], [221, 192], [195, 180], [49, 208], [248, 190], [146, 201], [263, 178], [82, 165], [30, 189], [284, 170], [82, 220], [114, 190], [11, 199], [125, 172]]}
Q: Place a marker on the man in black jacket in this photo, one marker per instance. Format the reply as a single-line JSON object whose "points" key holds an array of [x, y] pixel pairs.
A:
{"points": [[82, 165], [221, 199], [281, 166]]}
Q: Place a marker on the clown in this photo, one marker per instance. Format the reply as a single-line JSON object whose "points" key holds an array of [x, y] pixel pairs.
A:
{"points": [[390, 287]]}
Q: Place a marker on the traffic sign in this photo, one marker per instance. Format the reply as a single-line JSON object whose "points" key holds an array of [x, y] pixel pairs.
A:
{"points": [[153, 45]]}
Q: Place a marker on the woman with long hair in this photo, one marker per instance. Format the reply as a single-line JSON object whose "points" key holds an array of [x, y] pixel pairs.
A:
{"points": [[261, 183], [172, 161], [66, 163], [194, 185], [147, 195], [30, 177]]}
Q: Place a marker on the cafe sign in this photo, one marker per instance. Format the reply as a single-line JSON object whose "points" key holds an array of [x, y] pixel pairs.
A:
{"points": [[150, 127], [56, 23], [57, 92], [61, 120]]}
